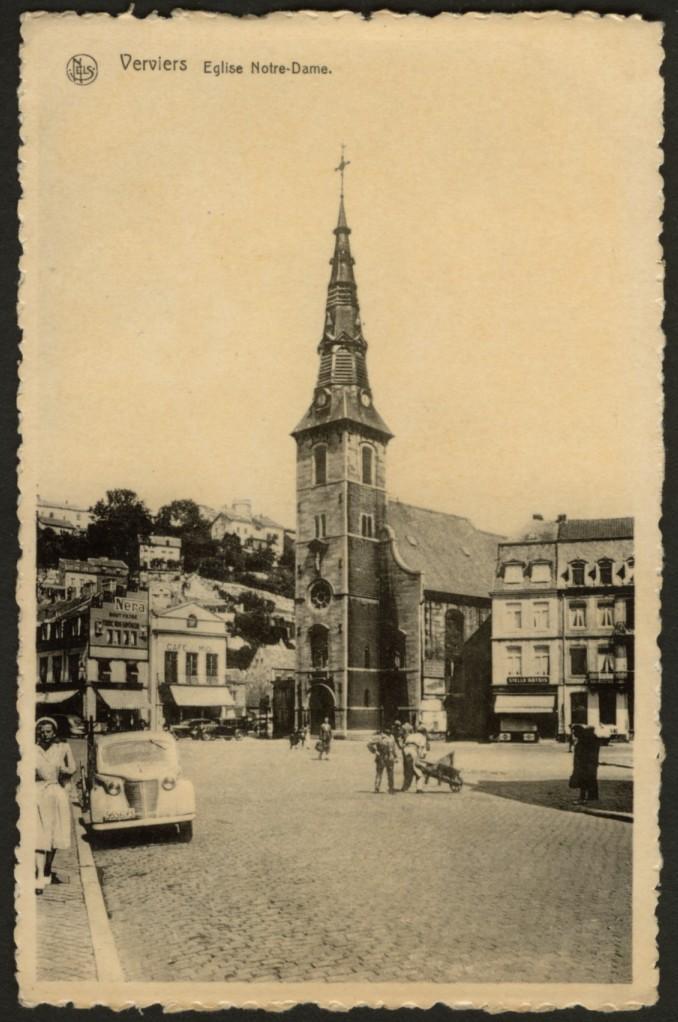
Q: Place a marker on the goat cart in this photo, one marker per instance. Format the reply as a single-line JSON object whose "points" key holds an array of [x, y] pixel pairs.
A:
{"points": [[443, 770]]}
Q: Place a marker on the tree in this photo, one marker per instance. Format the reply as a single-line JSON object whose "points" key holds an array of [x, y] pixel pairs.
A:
{"points": [[119, 522], [180, 518], [52, 546]]}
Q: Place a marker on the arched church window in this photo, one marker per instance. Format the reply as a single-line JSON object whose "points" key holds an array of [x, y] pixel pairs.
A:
{"points": [[367, 465], [366, 657], [319, 640], [320, 464]]}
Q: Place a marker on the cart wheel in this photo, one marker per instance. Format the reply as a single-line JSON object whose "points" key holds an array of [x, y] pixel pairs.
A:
{"points": [[185, 831], [456, 785]]}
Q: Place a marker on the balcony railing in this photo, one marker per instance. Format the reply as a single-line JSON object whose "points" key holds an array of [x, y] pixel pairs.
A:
{"points": [[609, 677]]}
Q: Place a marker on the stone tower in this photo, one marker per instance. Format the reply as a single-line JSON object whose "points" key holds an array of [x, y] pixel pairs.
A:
{"points": [[341, 506]]}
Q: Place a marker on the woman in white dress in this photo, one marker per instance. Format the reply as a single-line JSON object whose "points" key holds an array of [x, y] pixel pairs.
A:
{"points": [[54, 767]]}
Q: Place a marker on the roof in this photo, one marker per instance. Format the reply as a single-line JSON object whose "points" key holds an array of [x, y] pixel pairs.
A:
{"points": [[266, 522], [595, 528], [452, 555], [536, 530], [92, 566], [57, 523], [63, 504]]}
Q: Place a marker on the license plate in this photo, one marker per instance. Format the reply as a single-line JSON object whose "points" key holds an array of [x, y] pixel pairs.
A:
{"points": [[121, 814]]}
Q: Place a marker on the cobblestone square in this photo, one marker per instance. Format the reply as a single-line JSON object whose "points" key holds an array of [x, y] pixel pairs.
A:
{"points": [[298, 871]]}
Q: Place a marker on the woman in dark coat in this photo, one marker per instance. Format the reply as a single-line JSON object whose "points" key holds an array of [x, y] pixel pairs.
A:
{"points": [[585, 766]]}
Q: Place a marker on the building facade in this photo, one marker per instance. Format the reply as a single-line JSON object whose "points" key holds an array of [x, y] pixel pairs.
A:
{"points": [[388, 597], [188, 665], [256, 531], [83, 578], [93, 656], [62, 516], [563, 629]]}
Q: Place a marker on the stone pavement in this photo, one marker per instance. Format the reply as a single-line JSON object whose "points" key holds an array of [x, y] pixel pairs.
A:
{"points": [[298, 871], [64, 947]]}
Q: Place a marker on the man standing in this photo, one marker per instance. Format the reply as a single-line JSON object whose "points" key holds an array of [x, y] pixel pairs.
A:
{"points": [[383, 748], [325, 739], [414, 750]]}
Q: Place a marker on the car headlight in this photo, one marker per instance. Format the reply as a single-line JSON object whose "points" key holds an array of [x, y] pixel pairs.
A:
{"points": [[111, 785], [169, 783]]}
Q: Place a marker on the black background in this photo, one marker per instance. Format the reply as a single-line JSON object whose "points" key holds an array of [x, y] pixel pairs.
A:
{"points": [[10, 10]]}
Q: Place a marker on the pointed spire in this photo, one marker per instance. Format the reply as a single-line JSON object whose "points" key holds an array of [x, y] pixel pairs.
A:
{"points": [[342, 389]]}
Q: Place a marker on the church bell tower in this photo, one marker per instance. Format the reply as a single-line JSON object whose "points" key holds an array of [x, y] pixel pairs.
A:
{"points": [[341, 505]]}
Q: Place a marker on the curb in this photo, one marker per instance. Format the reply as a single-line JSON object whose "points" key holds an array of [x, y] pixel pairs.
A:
{"points": [[106, 958], [609, 814]]}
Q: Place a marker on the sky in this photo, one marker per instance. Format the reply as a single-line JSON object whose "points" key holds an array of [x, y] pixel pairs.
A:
{"points": [[502, 199]]}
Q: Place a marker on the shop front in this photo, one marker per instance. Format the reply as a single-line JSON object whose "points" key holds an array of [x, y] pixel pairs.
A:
{"points": [[524, 716], [122, 709], [182, 702]]}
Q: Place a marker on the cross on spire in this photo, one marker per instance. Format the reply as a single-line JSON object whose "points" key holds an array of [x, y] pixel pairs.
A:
{"points": [[343, 164]]}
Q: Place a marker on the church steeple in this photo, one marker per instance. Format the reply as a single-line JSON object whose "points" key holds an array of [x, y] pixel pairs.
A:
{"points": [[342, 389]]}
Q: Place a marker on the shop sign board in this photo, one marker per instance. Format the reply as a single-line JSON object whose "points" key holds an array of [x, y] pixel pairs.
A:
{"points": [[119, 628]]}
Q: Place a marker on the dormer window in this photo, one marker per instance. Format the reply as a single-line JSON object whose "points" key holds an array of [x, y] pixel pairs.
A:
{"points": [[367, 464], [513, 574], [541, 572], [320, 464], [578, 568]]}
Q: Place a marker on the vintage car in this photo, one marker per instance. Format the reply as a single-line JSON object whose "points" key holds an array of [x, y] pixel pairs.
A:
{"points": [[133, 779], [194, 727]]}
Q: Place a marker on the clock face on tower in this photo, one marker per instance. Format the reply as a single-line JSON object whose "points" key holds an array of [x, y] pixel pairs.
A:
{"points": [[321, 399], [320, 594], [365, 399]]}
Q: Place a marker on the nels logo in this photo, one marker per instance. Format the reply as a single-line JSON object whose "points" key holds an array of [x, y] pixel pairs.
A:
{"points": [[82, 69]]}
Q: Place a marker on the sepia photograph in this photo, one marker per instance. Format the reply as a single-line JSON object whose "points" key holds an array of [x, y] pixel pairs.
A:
{"points": [[340, 484]]}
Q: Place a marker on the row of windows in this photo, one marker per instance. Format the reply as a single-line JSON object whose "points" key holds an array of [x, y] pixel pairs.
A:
{"points": [[575, 574], [75, 670], [537, 615], [192, 666], [366, 526], [119, 636], [541, 661], [71, 627], [320, 464]]}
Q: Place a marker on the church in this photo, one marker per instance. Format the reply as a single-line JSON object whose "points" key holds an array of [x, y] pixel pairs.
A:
{"points": [[392, 601]]}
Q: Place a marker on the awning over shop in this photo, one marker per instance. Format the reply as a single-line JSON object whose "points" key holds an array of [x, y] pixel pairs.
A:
{"points": [[524, 703], [124, 700], [201, 695], [54, 697]]}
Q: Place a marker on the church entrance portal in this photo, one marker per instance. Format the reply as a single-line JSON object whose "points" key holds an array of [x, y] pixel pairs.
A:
{"points": [[320, 705]]}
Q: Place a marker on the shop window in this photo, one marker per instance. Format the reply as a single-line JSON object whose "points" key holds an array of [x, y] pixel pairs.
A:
{"points": [[320, 526], [578, 661], [542, 661], [191, 667], [367, 464], [579, 703], [605, 615], [212, 665], [132, 672], [103, 670], [578, 569], [367, 526], [605, 573], [607, 706], [541, 615], [577, 615], [514, 661], [541, 572], [320, 464], [514, 615], [171, 667], [513, 574]]}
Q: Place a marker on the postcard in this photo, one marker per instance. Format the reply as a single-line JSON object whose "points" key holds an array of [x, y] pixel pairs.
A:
{"points": [[341, 399]]}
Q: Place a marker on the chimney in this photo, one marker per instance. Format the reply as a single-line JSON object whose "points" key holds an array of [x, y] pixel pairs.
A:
{"points": [[561, 518], [538, 518]]}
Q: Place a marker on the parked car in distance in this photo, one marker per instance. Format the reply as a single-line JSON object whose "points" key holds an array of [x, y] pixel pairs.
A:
{"points": [[194, 727], [133, 779], [226, 728]]}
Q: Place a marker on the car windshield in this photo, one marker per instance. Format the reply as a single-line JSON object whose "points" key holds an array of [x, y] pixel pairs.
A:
{"points": [[136, 750]]}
